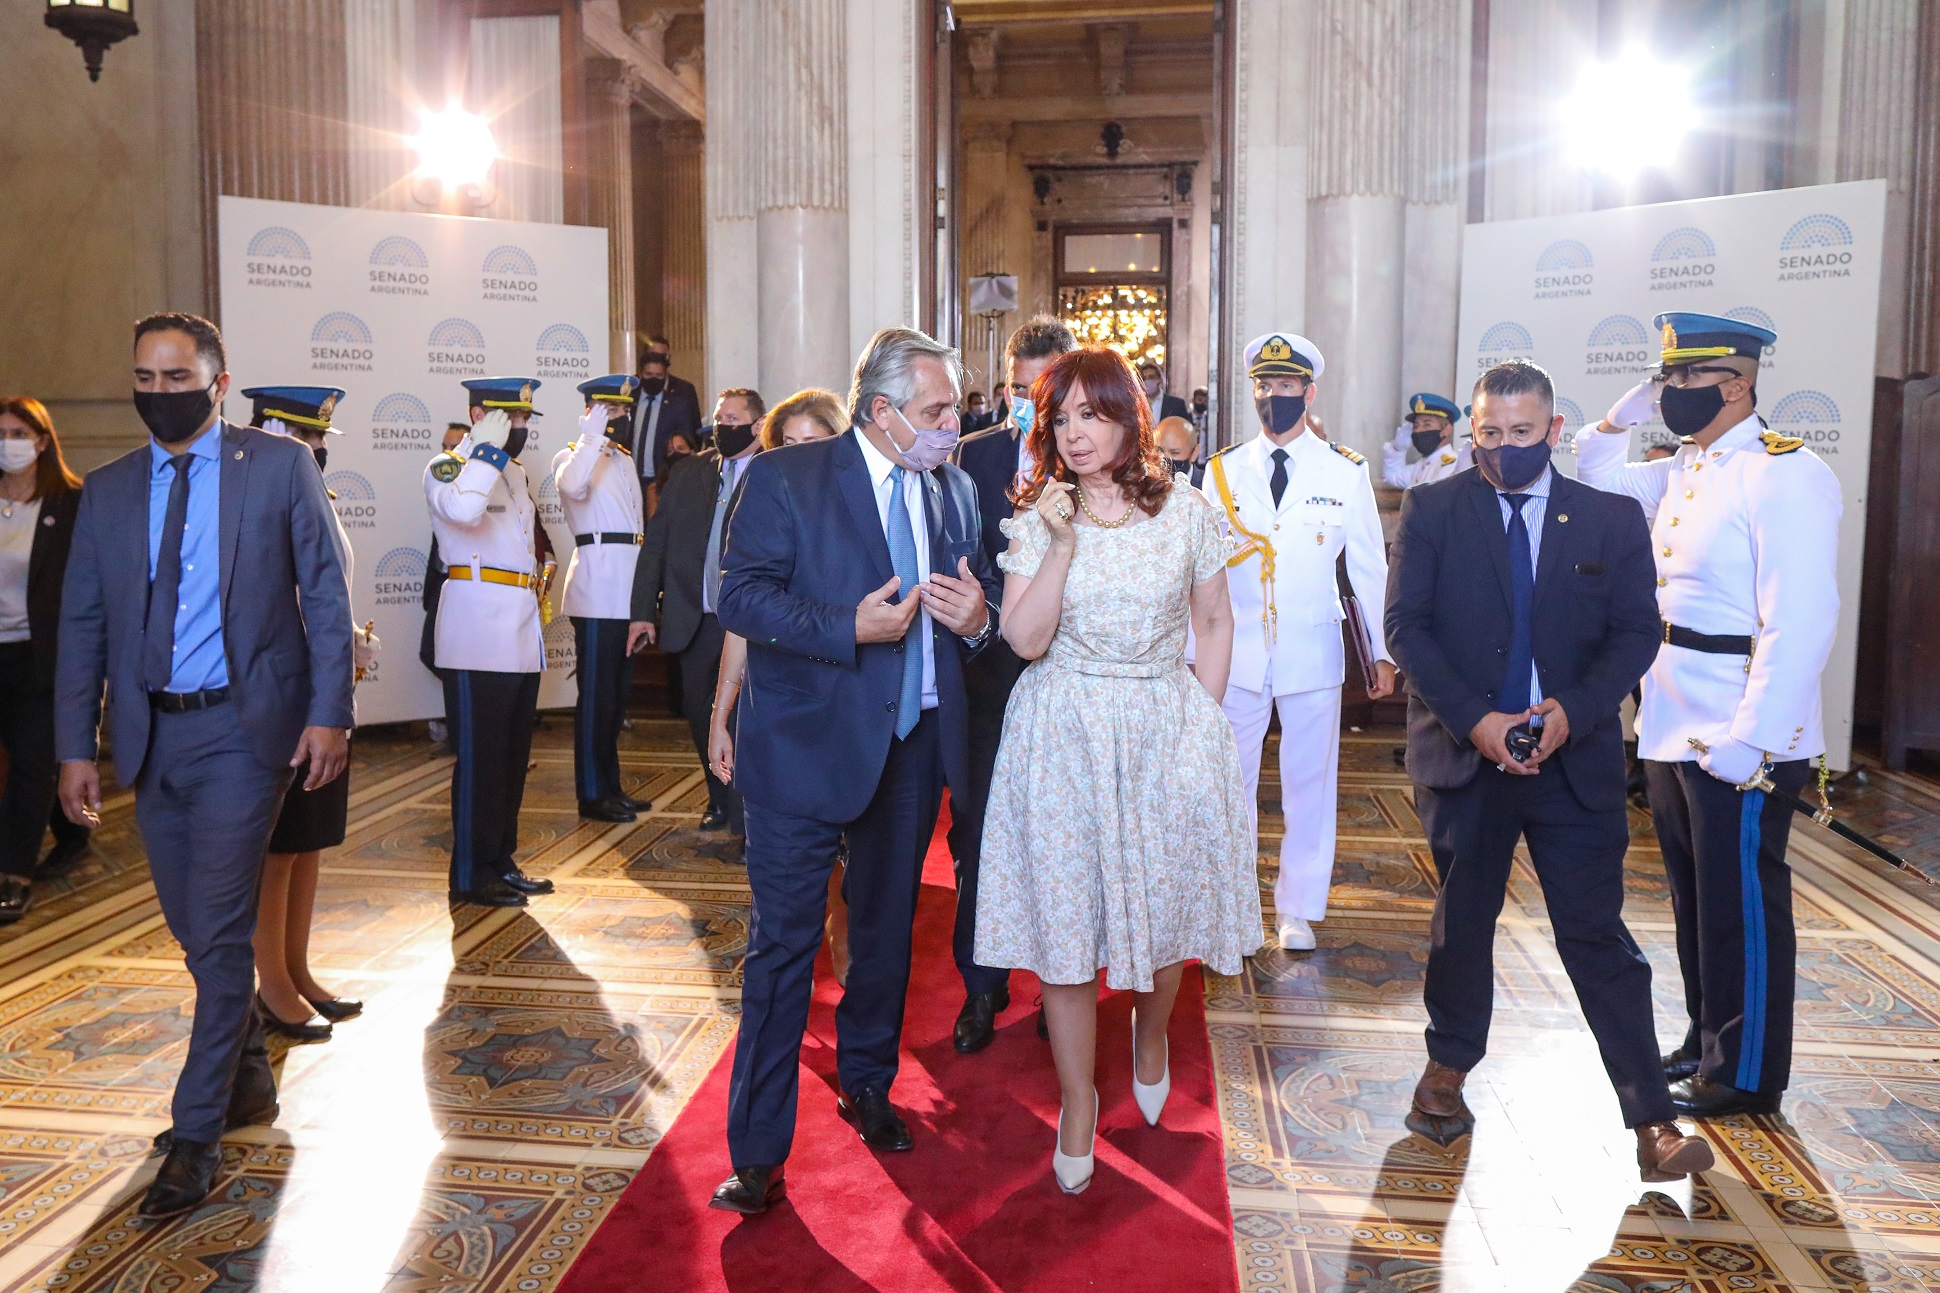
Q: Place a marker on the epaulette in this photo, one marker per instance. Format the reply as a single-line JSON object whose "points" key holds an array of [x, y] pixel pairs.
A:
{"points": [[1447, 458], [1776, 443], [446, 466], [1219, 452], [332, 493], [1687, 439], [1346, 453], [623, 449]]}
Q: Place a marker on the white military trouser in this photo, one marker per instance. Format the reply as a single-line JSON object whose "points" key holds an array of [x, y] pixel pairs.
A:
{"points": [[1309, 782]]}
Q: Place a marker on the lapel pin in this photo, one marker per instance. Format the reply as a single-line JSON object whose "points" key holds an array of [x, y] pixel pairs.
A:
{"points": [[238, 455], [1562, 518]]}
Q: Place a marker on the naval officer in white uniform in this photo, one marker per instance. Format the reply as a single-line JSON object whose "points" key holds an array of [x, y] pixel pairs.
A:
{"points": [[489, 644], [1745, 528], [1291, 504], [599, 491], [1428, 429]]}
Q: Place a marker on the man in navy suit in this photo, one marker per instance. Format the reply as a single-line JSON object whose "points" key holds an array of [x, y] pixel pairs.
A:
{"points": [[856, 571], [190, 556], [1522, 608], [994, 459]]}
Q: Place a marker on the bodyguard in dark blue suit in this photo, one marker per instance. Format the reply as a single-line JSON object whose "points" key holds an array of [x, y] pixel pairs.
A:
{"points": [[182, 595], [854, 568], [1522, 604]]}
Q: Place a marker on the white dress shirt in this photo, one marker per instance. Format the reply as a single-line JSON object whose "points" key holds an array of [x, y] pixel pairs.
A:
{"points": [[1532, 516], [913, 491]]}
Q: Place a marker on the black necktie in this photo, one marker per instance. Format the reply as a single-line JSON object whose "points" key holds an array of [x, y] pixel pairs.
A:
{"points": [[1514, 696], [1279, 481], [164, 591]]}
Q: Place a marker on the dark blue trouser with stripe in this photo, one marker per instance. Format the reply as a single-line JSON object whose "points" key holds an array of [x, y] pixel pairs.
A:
{"points": [[490, 716], [1731, 891], [605, 676]]}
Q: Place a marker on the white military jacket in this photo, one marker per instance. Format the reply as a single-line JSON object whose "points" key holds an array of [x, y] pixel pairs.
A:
{"points": [[1287, 627], [482, 518], [1746, 536], [600, 492], [1446, 461]]}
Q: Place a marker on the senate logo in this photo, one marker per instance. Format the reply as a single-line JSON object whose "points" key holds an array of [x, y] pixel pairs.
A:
{"points": [[1815, 247], [562, 352], [1684, 257], [277, 258], [559, 644], [399, 267], [399, 577], [354, 497], [1619, 343], [340, 342], [455, 346], [1565, 268], [1811, 416], [1503, 341], [402, 421], [509, 274]]}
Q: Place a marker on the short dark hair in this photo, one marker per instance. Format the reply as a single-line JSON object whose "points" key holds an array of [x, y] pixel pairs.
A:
{"points": [[1040, 338], [459, 426], [1516, 377], [749, 396], [972, 395], [207, 337], [648, 355]]}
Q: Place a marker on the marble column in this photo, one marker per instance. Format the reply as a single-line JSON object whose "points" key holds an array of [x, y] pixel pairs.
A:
{"points": [[801, 216], [890, 202], [1434, 165], [1878, 123], [1357, 215], [609, 104], [733, 156], [984, 219], [683, 249], [1923, 261]]}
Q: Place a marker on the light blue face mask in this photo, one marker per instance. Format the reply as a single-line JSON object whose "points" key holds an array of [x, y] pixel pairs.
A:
{"points": [[1023, 413]]}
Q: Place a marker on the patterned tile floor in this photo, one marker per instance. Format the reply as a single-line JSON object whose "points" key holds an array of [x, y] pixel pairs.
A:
{"points": [[515, 1068]]}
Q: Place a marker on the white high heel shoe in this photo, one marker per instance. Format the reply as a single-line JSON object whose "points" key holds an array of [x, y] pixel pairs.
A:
{"points": [[1151, 1099], [1073, 1171]]}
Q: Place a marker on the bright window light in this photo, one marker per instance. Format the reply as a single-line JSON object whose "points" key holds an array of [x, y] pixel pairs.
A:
{"points": [[455, 147], [1628, 114]]}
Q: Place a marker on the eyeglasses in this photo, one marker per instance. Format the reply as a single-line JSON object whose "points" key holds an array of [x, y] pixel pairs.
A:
{"points": [[1681, 374]]}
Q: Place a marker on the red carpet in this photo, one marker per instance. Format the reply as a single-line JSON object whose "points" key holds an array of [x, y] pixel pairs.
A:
{"points": [[973, 1206]]}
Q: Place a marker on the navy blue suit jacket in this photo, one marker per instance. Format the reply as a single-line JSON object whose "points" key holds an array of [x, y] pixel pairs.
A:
{"points": [[817, 711], [289, 665], [990, 459], [1595, 627]]}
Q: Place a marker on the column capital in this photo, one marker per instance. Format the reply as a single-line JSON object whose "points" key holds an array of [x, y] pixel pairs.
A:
{"points": [[682, 137], [615, 80]]}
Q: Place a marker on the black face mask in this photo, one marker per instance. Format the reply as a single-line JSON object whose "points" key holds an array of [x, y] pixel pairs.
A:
{"points": [[619, 427], [652, 386], [515, 442], [1513, 466], [1688, 410], [174, 416], [732, 441], [1179, 465], [323, 455], [1426, 442], [1198, 406], [1281, 413]]}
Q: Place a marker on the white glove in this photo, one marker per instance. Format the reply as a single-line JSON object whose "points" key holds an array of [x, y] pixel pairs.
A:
{"points": [[363, 647], [1638, 406], [274, 426], [494, 429], [592, 427], [1403, 435], [1731, 760]]}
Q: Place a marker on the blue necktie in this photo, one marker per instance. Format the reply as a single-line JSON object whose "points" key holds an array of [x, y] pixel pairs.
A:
{"points": [[902, 555], [1513, 698]]}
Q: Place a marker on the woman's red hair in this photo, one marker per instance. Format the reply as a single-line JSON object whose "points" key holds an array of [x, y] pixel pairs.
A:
{"points": [[1112, 390]]}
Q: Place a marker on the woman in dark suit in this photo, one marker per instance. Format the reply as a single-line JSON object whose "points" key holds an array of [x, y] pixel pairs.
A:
{"points": [[38, 499]]}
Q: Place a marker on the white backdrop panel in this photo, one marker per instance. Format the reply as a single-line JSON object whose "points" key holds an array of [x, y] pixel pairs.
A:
{"points": [[397, 308], [1576, 294]]}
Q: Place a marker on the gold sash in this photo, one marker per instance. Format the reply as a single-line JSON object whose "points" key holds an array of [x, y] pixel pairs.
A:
{"points": [[1255, 543]]}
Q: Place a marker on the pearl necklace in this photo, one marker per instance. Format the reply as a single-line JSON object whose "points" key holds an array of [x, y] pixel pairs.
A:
{"points": [[1097, 520]]}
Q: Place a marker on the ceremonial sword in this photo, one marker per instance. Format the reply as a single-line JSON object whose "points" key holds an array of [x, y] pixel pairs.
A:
{"points": [[1761, 780]]}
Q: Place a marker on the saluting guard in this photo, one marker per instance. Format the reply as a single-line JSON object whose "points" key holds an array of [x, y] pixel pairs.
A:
{"points": [[1292, 504], [1428, 429], [489, 640], [599, 489], [1745, 526]]}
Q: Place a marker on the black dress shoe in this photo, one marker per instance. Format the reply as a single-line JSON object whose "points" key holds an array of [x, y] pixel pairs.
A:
{"points": [[637, 805], [336, 1009], [301, 1031], [977, 1021], [870, 1113], [605, 810], [16, 896], [1680, 1063], [62, 857], [714, 819], [750, 1190], [492, 893], [519, 880], [1700, 1097], [185, 1179]]}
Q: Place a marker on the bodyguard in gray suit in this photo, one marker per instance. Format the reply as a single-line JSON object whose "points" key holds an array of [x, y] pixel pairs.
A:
{"points": [[190, 556]]}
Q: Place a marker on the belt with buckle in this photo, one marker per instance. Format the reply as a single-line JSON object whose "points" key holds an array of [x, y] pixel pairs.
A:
{"points": [[1709, 643], [181, 702], [493, 575], [609, 536]]}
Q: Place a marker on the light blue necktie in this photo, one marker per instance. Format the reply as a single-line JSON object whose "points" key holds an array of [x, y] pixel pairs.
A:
{"points": [[902, 555]]}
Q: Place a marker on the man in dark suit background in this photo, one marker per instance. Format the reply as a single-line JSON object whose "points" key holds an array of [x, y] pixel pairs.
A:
{"points": [[677, 580], [182, 595], [1521, 603], [1164, 405], [668, 406], [993, 460], [856, 571]]}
